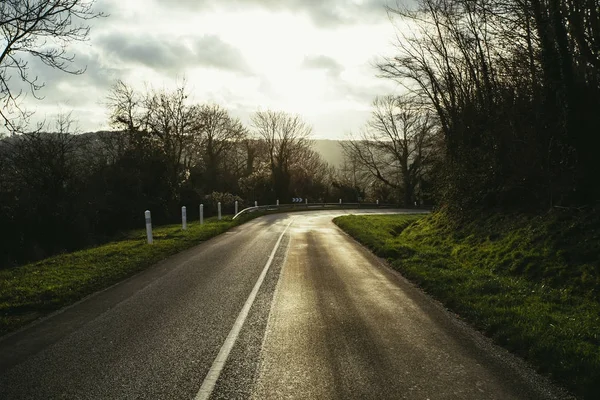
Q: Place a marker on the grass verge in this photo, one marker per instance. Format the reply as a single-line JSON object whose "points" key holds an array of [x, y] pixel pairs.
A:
{"points": [[30, 291], [529, 282]]}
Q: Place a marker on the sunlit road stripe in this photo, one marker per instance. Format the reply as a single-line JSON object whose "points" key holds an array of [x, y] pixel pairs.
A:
{"points": [[210, 380]]}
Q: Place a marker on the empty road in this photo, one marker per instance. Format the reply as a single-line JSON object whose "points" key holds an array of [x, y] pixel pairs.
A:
{"points": [[283, 307]]}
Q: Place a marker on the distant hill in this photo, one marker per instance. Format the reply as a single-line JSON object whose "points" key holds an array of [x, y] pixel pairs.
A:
{"points": [[330, 150]]}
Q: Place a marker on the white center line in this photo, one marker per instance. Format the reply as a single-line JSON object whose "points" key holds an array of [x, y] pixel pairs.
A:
{"points": [[217, 366]]}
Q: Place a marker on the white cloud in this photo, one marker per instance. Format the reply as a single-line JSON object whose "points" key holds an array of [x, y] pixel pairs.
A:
{"points": [[170, 54], [323, 13], [311, 58]]}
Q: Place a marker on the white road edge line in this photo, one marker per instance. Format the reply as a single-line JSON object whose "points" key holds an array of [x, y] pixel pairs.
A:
{"points": [[211, 378]]}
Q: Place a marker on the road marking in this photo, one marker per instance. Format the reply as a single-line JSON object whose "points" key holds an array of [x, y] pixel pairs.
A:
{"points": [[210, 380]]}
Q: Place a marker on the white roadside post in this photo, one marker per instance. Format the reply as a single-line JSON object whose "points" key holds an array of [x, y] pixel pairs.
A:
{"points": [[148, 226], [255, 203], [183, 218], [236, 208], [201, 214], [219, 210], [377, 203], [277, 202], [340, 202]]}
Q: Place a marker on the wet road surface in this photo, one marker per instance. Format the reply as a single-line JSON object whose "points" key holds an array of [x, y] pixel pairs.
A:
{"points": [[285, 306]]}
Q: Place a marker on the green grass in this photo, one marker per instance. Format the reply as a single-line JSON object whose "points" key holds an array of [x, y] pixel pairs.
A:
{"points": [[529, 282], [30, 291]]}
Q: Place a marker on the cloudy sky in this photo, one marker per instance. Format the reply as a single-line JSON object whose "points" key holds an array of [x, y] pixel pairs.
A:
{"points": [[311, 57]]}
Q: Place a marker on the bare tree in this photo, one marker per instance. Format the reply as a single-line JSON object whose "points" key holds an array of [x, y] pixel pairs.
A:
{"points": [[396, 145], [41, 29], [218, 134], [126, 114], [352, 180], [125, 107], [171, 122], [311, 176], [284, 136], [515, 85], [158, 122]]}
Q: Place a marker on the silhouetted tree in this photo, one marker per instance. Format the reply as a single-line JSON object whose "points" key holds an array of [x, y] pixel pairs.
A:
{"points": [[215, 141], [396, 147], [284, 136], [41, 29], [515, 89], [42, 189]]}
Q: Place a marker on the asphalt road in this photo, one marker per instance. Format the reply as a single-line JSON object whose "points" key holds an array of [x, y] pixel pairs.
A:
{"points": [[285, 306]]}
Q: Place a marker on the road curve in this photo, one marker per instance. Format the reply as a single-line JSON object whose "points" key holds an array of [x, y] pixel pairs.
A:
{"points": [[327, 321]]}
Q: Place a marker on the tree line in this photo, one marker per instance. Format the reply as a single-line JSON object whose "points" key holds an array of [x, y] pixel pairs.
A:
{"points": [[512, 89], [61, 190]]}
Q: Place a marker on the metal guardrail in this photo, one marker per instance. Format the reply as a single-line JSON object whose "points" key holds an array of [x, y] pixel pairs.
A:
{"points": [[315, 206]]}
